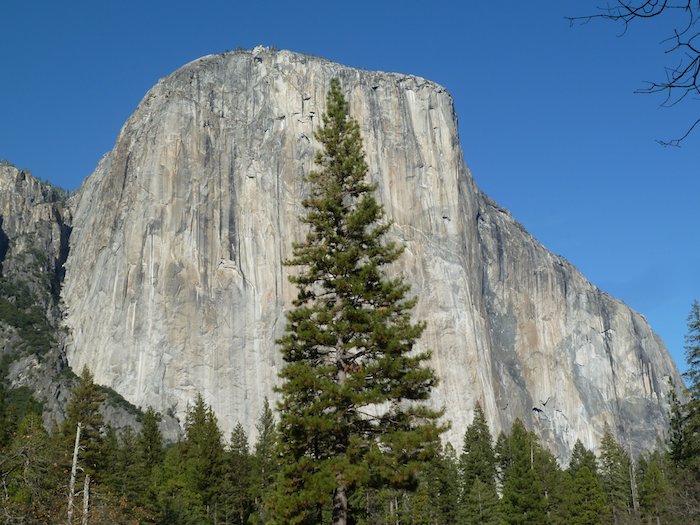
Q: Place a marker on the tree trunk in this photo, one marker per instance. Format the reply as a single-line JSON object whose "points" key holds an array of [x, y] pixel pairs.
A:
{"points": [[73, 472], [86, 499], [340, 503]]}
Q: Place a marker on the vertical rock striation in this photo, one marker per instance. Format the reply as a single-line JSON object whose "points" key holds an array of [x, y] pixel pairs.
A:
{"points": [[175, 284]]}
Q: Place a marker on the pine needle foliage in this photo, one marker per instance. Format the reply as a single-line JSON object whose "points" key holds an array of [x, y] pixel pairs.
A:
{"points": [[351, 408], [691, 424]]}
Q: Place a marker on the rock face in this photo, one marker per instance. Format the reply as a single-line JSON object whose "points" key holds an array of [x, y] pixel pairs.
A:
{"points": [[34, 225], [175, 284], [34, 233]]}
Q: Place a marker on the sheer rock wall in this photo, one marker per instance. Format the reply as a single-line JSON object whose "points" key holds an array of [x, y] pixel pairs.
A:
{"points": [[175, 284]]}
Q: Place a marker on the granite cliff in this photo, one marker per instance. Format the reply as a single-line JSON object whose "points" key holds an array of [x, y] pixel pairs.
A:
{"points": [[174, 283], [35, 228], [34, 233]]}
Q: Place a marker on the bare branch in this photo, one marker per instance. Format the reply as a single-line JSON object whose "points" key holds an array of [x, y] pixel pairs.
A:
{"points": [[677, 142], [682, 79]]}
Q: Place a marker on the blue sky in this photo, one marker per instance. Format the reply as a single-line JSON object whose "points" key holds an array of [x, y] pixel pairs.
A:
{"points": [[549, 123]]}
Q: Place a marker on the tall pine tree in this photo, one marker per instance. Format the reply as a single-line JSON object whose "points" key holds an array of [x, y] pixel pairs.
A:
{"points": [[692, 350], [614, 469], [582, 457], [84, 408], [237, 490], [204, 454], [351, 410], [479, 499], [524, 501], [691, 432], [478, 459], [585, 502], [265, 464]]}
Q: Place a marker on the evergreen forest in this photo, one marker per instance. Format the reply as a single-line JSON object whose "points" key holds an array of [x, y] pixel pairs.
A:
{"points": [[208, 478]]}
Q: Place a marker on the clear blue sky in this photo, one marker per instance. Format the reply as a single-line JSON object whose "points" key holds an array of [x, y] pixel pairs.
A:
{"points": [[549, 123]]}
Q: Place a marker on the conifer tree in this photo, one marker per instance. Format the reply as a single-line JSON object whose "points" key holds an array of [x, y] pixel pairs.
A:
{"points": [[503, 458], [188, 483], [524, 499], [179, 502], [654, 488], [478, 459], [479, 502], [481, 505], [30, 483], [4, 423], [124, 471], [352, 389], [585, 499], [691, 431], [437, 497], [550, 476], [149, 440], [84, 408], [692, 351], [677, 448], [614, 469], [237, 492], [582, 457], [203, 453], [265, 463], [448, 486]]}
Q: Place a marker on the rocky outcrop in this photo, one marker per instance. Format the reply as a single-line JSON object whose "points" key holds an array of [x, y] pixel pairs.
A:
{"points": [[175, 284], [35, 227], [34, 233]]}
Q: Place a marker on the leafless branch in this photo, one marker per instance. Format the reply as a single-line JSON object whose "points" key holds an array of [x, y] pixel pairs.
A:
{"points": [[677, 142], [680, 80]]}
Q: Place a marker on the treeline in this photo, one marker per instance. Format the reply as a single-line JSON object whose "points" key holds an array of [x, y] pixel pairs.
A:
{"points": [[130, 477], [208, 478]]}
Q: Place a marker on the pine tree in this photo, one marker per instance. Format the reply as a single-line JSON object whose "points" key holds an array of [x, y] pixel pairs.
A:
{"points": [[524, 500], [550, 476], [478, 459], [654, 488], [188, 483], [352, 384], [5, 433], [436, 499], [692, 351], [149, 455], [149, 441], [582, 457], [479, 501], [84, 408], [203, 453], [448, 486], [30, 482], [237, 494], [614, 469], [112, 471], [503, 458], [126, 473], [677, 448], [691, 452], [585, 500], [265, 463], [179, 501], [481, 505]]}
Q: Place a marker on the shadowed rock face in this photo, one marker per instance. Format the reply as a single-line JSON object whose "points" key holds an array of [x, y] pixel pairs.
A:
{"points": [[175, 284], [34, 232]]}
